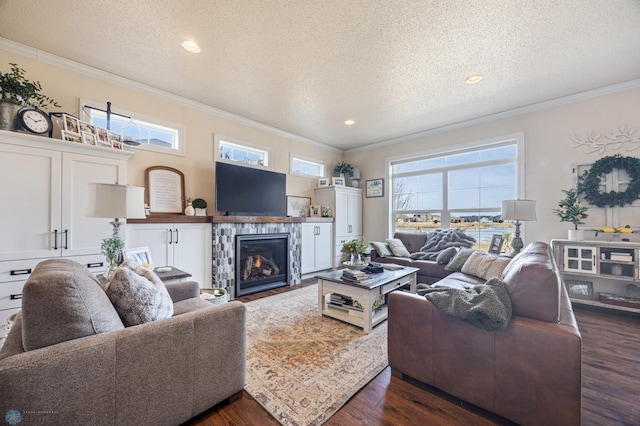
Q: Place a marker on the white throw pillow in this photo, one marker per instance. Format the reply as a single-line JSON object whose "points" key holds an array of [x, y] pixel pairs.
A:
{"points": [[138, 295], [397, 247], [484, 265]]}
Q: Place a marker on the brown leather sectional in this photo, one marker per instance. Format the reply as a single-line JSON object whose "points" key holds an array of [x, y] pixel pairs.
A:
{"points": [[529, 373]]}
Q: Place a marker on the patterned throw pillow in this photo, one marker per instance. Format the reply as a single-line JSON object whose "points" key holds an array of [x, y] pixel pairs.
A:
{"points": [[484, 265], [459, 259], [397, 247], [138, 295]]}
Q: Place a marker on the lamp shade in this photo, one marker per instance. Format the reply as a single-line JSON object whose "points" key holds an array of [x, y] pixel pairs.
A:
{"points": [[116, 201], [519, 210]]}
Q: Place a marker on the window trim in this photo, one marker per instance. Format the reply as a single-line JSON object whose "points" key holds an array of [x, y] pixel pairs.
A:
{"points": [[181, 151], [217, 138], [494, 142], [293, 157]]}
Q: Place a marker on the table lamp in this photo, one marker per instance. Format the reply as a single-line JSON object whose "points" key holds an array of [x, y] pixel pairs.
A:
{"points": [[518, 210], [117, 202]]}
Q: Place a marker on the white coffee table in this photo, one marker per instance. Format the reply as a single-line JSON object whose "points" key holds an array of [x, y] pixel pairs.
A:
{"points": [[366, 293]]}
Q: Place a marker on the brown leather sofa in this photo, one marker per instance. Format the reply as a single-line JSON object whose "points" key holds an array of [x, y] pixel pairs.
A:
{"points": [[429, 271], [529, 373]]}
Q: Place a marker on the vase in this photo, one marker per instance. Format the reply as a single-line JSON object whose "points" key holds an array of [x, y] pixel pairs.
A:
{"points": [[356, 259], [9, 114], [576, 234], [189, 210]]}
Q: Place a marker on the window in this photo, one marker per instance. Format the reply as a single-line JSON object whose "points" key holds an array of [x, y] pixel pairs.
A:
{"points": [[152, 134], [305, 167], [234, 150], [459, 189]]}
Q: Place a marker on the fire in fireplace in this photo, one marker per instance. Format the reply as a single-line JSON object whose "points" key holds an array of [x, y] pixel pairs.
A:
{"points": [[262, 262]]}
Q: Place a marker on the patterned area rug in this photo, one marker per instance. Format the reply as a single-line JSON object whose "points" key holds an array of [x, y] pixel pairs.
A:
{"points": [[302, 367]]}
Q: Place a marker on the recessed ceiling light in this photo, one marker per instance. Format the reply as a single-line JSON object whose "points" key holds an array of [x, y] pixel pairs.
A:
{"points": [[474, 79], [190, 46], [349, 122]]}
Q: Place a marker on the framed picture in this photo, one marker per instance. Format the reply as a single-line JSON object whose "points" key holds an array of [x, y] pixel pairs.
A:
{"points": [[579, 289], [323, 182], [89, 138], [114, 137], [496, 244], [315, 211], [117, 145], [70, 124], [102, 137], [337, 181], [86, 127], [71, 137], [374, 188], [140, 255], [164, 189], [298, 206]]}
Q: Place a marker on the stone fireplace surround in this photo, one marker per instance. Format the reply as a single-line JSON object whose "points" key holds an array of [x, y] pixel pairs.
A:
{"points": [[225, 229]]}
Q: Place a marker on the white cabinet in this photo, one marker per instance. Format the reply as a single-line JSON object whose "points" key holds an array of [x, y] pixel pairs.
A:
{"points": [[44, 202], [346, 204], [317, 244], [186, 246], [580, 259]]}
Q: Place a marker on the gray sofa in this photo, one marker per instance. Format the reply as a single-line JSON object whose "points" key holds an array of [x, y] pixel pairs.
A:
{"points": [[158, 373]]}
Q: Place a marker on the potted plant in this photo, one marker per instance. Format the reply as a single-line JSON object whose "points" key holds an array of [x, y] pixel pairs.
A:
{"points": [[16, 92], [354, 249], [571, 210], [201, 206], [112, 249], [343, 168]]}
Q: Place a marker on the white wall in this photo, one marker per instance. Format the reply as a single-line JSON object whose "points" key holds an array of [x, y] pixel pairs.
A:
{"points": [[548, 157]]}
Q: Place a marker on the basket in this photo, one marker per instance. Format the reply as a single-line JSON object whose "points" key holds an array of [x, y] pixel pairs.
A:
{"points": [[216, 296]]}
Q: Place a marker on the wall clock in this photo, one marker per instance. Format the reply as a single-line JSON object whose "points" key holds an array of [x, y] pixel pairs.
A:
{"points": [[34, 120]]}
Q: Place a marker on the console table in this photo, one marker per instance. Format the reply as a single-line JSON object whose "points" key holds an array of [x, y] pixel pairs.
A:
{"points": [[594, 271], [366, 293]]}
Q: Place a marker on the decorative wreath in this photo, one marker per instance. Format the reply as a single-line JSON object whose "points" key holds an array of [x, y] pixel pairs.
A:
{"points": [[589, 184]]}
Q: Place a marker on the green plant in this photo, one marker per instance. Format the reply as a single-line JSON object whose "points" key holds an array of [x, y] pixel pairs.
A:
{"points": [[14, 86], [187, 200], [112, 247], [199, 203], [343, 167], [354, 247], [570, 209]]}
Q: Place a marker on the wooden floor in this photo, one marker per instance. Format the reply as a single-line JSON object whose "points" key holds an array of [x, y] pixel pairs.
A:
{"points": [[610, 386]]}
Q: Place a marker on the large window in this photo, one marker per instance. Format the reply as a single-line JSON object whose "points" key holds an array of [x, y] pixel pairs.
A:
{"points": [[147, 132], [460, 189]]}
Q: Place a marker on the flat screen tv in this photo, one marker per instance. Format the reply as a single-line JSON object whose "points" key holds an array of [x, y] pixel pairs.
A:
{"points": [[246, 191]]}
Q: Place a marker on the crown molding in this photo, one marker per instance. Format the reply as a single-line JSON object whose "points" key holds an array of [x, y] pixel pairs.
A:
{"points": [[98, 74], [552, 103]]}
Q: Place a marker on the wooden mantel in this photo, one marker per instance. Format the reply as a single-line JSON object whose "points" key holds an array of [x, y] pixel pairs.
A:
{"points": [[180, 218]]}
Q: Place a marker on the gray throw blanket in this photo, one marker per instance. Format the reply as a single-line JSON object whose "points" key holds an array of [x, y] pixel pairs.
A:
{"points": [[441, 239], [486, 306]]}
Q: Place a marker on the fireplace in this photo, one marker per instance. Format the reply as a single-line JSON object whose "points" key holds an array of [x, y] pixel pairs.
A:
{"points": [[262, 262]]}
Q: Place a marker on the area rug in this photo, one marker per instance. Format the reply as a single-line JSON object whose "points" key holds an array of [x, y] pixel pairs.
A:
{"points": [[302, 367]]}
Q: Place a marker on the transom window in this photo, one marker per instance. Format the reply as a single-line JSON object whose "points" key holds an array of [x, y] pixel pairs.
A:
{"points": [[306, 167], [234, 150], [462, 189], [150, 133]]}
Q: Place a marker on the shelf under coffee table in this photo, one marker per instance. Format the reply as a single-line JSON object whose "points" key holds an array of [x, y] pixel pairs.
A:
{"points": [[366, 293]]}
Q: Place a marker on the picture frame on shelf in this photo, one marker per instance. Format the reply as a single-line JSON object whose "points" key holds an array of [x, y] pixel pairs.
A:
{"points": [[102, 137], [323, 182], [337, 181], [495, 247], [579, 289], [298, 206], [374, 188], [315, 210], [89, 138], [139, 255], [164, 190], [70, 124], [71, 137], [87, 128]]}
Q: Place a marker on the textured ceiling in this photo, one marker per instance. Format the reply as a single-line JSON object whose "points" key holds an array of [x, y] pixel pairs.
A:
{"points": [[305, 66]]}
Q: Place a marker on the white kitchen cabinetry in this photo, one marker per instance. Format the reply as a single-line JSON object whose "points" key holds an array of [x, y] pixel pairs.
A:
{"points": [[346, 204], [317, 244], [186, 246], [44, 203]]}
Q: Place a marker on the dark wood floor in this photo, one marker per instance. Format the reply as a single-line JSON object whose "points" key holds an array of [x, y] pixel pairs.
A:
{"points": [[610, 386]]}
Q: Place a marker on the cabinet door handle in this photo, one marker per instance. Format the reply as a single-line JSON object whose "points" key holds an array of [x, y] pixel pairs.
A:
{"points": [[177, 236], [16, 296], [20, 271], [55, 239], [95, 265], [66, 239], [170, 236]]}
